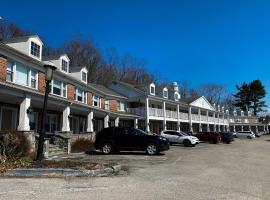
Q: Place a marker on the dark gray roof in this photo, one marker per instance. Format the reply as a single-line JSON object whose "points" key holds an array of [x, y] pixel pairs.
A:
{"points": [[105, 90], [19, 39], [75, 69]]}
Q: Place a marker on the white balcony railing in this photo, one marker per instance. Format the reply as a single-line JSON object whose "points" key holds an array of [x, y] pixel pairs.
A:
{"points": [[157, 112]]}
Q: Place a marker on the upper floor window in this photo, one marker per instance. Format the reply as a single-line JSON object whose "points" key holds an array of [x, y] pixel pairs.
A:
{"points": [[165, 93], [107, 104], [59, 88], [121, 106], [21, 75], [152, 90], [84, 76], [80, 95], [64, 65], [96, 101], [35, 49]]}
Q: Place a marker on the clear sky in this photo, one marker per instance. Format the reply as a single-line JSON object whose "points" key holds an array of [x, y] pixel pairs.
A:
{"points": [[201, 41]]}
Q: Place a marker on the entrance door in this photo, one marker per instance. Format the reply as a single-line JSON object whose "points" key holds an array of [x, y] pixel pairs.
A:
{"points": [[8, 118], [75, 125], [51, 123]]}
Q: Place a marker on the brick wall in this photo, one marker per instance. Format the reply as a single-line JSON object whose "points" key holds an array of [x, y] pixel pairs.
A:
{"points": [[70, 92], [113, 105], [41, 82], [89, 98], [3, 66], [102, 103]]}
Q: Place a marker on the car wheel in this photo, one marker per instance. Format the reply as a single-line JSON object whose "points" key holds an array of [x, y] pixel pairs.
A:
{"points": [[187, 143], [107, 148], [151, 149]]}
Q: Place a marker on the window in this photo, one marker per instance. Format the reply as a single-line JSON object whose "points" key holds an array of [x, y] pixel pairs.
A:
{"points": [[84, 77], [107, 104], [64, 65], [64, 90], [80, 95], [121, 106], [33, 79], [35, 49], [96, 101], [152, 90], [21, 75], [59, 88], [10, 71], [165, 93]]}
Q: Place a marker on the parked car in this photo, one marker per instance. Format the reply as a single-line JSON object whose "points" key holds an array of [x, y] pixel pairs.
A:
{"points": [[180, 137], [245, 134], [258, 134], [115, 139], [226, 137], [212, 137]]}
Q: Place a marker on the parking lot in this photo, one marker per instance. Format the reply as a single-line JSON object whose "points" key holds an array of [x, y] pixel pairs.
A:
{"points": [[240, 170]]}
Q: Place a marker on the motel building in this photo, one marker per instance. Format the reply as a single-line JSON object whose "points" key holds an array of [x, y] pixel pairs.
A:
{"points": [[78, 108]]}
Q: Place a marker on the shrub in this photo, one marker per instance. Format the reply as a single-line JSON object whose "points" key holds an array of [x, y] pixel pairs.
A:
{"points": [[81, 145], [13, 145]]}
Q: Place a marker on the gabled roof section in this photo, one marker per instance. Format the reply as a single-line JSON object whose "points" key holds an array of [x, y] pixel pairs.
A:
{"points": [[201, 102], [105, 90], [22, 39], [54, 57]]}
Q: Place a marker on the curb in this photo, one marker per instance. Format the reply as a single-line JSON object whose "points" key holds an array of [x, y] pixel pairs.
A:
{"points": [[34, 172]]}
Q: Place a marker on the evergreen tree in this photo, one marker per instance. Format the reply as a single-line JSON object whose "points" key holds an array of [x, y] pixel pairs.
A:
{"points": [[249, 96], [257, 92]]}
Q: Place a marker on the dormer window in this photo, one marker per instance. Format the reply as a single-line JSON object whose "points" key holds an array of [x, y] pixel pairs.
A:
{"points": [[35, 49], [84, 77], [152, 89], [64, 66], [165, 93], [176, 96]]}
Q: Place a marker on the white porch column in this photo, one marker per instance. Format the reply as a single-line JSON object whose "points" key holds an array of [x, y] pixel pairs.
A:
{"points": [[218, 122], [90, 127], [65, 119], [24, 118], [200, 120], [106, 121], [164, 116], [242, 128], [190, 118], [256, 129], [116, 122], [178, 118], [264, 128], [234, 130], [147, 127], [215, 124], [136, 123], [207, 116], [249, 128]]}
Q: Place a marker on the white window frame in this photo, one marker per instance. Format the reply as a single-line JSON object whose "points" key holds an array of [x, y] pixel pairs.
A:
{"points": [[165, 93], [152, 86], [84, 96], [83, 72], [98, 100], [107, 104], [63, 60], [29, 77], [31, 41], [119, 106], [61, 89]]}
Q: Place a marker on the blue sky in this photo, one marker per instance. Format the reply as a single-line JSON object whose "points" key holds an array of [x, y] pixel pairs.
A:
{"points": [[201, 41]]}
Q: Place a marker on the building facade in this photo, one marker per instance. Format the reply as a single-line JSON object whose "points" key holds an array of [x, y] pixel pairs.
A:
{"points": [[76, 106]]}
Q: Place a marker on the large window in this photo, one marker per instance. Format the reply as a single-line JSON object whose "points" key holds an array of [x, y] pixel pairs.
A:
{"points": [[22, 75], [35, 49], [64, 65], [59, 88], [80, 95], [84, 77], [96, 101], [121, 106]]}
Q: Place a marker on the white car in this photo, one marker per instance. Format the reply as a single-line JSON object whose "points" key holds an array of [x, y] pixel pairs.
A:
{"points": [[180, 137], [245, 134]]}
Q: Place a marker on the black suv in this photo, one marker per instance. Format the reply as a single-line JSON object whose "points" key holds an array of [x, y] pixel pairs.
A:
{"points": [[130, 139]]}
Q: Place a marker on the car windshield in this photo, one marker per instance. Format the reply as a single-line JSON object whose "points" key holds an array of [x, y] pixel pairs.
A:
{"points": [[184, 134], [139, 131]]}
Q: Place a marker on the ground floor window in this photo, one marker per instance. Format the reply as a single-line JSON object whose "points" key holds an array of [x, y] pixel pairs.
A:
{"points": [[8, 118], [51, 123]]}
